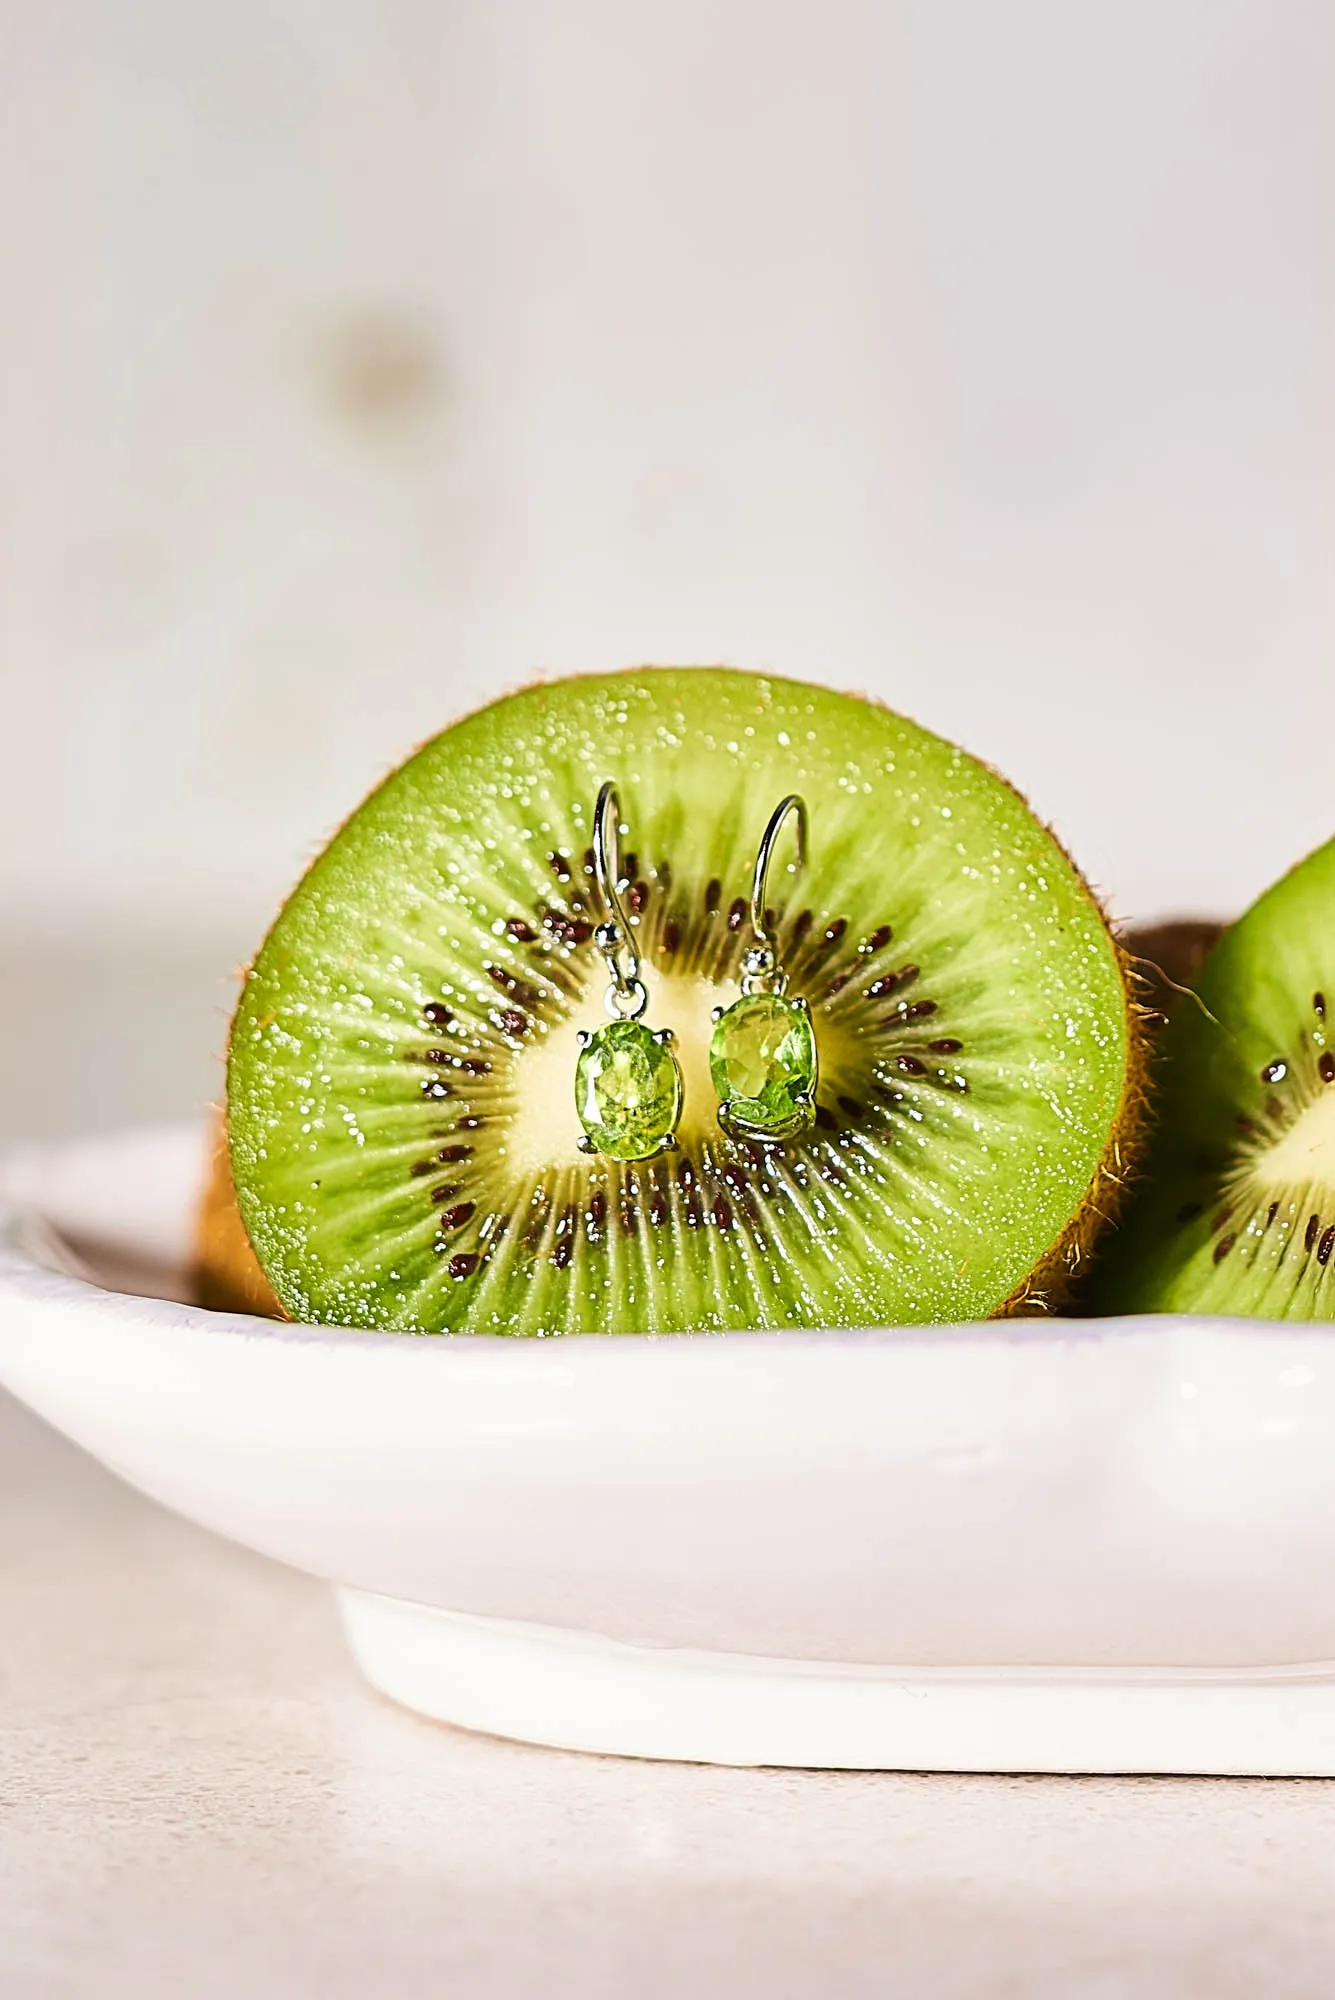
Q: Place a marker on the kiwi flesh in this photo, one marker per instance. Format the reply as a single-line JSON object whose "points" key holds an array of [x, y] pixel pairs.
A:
{"points": [[1236, 1213], [400, 1080]]}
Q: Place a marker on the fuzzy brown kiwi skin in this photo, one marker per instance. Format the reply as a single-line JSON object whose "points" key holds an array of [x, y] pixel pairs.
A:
{"points": [[1159, 962], [1169, 956], [229, 1276], [1055, 1285]]}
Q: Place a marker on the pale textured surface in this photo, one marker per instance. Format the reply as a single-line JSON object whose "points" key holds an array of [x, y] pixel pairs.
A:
{"points": [[361, 358], [197, 1797]]}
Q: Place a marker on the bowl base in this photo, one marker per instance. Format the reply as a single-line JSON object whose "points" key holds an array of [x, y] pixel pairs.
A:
{"points": [[577, 1691]]}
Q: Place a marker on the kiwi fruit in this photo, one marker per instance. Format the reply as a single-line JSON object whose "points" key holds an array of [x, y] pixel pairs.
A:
{"points": [[1236, 1213], [400, 1095]]}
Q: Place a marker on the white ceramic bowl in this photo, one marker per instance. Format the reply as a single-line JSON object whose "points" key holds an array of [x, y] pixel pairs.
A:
{"points": [[1067, 1546]]}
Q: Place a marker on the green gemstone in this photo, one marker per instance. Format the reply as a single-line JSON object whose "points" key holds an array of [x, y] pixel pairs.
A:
{"points": [[762, 1059], [627, 1090]]}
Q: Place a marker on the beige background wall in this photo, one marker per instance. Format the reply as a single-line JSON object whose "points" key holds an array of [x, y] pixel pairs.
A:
{"points": [[360, 357]]}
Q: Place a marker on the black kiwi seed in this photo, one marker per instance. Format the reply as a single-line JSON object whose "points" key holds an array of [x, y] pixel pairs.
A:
{"points": [[432, 1086], [437, 1014], [563, 1248], [1326, 1247], [1275, 1072], [878, 940], [1313, 1231], [509, 982], [1319, 1006], [1222, 1248], [1326, 1067], [464, 1264]]}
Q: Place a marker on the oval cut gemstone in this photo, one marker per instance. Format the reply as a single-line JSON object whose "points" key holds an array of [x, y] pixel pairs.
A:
{"points": [[762, 1060], [627, 1090]]}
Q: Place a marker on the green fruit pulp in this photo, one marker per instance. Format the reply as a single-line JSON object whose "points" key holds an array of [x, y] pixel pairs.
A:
{"points": [[403, 1136], [1237, 1210]]}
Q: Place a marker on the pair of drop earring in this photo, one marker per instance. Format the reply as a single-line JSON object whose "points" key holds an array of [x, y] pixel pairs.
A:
{"points": [[762, 1053]]}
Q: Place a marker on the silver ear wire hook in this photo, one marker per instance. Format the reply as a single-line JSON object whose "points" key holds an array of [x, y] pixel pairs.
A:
{"points": [[760, 964], [614, 935]]}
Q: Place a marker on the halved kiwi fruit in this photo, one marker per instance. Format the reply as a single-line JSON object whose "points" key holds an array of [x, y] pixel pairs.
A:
{"points": [[401, 1074], [1237, 1210]]}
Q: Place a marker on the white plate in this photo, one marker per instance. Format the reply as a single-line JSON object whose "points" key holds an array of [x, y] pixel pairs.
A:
{"points": [[1079, 1546]]}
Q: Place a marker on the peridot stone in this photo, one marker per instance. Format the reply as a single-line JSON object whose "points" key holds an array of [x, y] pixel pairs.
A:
{"points": [[627, 1091], [762, 1060]]}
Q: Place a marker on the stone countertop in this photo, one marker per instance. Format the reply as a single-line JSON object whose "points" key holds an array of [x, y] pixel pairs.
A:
{"points": [[198, 1797]]}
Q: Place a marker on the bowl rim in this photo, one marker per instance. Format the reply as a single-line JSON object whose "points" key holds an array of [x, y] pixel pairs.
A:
{"points": [[43, 1264]]}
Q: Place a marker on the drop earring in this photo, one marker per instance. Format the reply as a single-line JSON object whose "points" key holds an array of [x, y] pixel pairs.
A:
{"points": [[628, 1087], [762, 1056]]}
